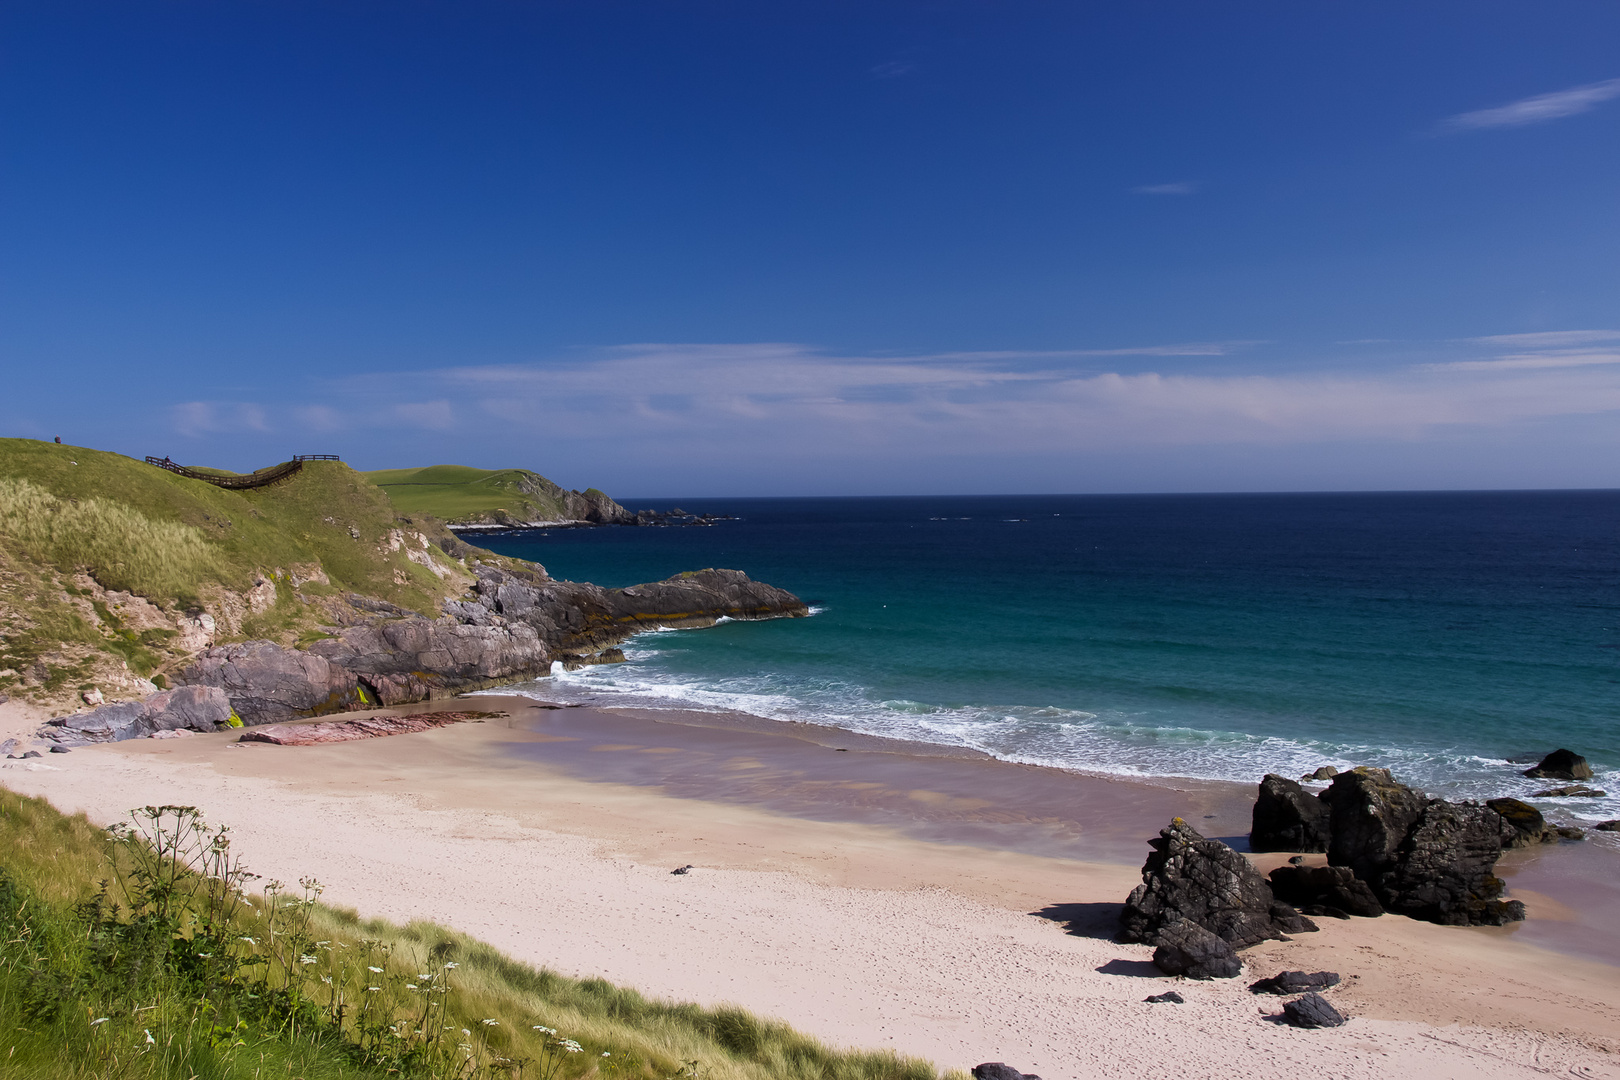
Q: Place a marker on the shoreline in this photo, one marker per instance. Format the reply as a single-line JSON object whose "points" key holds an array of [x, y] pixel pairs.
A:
{"points": [[866, 895]]}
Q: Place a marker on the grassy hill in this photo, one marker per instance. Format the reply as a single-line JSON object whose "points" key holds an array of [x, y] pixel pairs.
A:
{"points": [[80, 528], [460, 494]]}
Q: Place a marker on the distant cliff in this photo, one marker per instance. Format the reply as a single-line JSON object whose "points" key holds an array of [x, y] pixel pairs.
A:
{"points": [[462, 497]]}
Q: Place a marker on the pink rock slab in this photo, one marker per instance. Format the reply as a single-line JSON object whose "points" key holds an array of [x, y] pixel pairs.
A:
{"points": [[349, 730]]}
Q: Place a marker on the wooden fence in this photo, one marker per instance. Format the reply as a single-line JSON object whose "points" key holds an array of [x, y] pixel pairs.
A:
{"points": [[263, 478]]}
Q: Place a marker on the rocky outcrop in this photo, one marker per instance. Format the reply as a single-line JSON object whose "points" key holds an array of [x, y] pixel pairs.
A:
{"points": [[1372, 814], [1184, 948], [1561, 765], [374, 727], [1522, 824], [1312, 1011], [1426, 858], [185, 708], [1325, 890], [513, 625], [1288, 818], [1196, 889], [1295, 982], [1570, 791]]}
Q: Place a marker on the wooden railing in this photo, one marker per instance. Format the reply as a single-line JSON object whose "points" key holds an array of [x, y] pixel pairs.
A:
{"points": [[263, 478]]}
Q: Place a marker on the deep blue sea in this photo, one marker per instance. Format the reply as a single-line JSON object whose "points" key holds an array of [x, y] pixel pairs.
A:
{"points": [[1213, 636]]}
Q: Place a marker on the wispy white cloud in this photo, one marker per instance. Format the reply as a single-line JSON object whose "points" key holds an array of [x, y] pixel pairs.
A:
{"points": [[1549, 339], [893, 69], [1554, 358], [1538, 109], [197, 418], [1184, 187]]}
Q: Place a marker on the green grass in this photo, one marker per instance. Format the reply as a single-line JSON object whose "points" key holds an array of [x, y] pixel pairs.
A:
{"points": [[459, 493], [196, 980], [169, 538]]}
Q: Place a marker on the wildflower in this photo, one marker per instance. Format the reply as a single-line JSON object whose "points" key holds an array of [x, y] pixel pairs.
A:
{"points": [[545, 1030], [570, 1045], [103, 1020], [327, 979], [606, 1054], [464, 1031], [149, 1039], [308, 960], [410, 986], [490, 1023], [205, 956], [378, 970], [451, 966], [249, 940], [372, 989], [424, 978]]}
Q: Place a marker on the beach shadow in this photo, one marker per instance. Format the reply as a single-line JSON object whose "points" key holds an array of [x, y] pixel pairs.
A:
{"points": [[1100, 921], [1136, 969]]}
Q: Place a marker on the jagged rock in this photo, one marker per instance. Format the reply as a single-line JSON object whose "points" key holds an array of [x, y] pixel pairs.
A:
{"points": [[1608, 826], [192, 708], [1202, 881], [1169, 997], [1289, 921], [92, 697], [267, 683], [1324, 890], [1288, 818], [1570, 791], [1295, 982], [1444, 870], [1185, 948], [511, 626], [995, 1070], [1561, 765], [1522, 824], [1325, 772], [9, 747], [1312, 1011], [1371, 814]]}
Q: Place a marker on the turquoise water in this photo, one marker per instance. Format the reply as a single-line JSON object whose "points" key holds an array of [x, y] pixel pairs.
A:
{"points": [[1219, 637]]}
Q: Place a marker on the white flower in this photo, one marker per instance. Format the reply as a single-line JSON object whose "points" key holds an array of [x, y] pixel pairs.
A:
{"points": [[424, 978], [451, 966], [410, 986], [149, 1039], [490, 1023], [378, 970], [249, 940], [545, 1030], [570, 1045], [103, 1020], [308, 960], [327, 979], [606, 1054], [372, 989], [464, 1031]]}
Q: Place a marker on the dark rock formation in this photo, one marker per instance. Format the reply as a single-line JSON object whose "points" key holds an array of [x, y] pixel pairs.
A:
{"points": [[1326, 772], [1561, 765], [1288, 818], [1570, 791], [267, 683], [1295, 982], [1185, 948], [1425, 858], [1522, 824], [1289, 921], [1325, 890], [1312, 1011], [1568, 832], [1204, 882], [1169, 997], [1372, 815], [185, 708], [995, 1070]]}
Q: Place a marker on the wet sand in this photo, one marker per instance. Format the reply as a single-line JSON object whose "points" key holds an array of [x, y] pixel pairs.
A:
{"points": [[940, 903]]}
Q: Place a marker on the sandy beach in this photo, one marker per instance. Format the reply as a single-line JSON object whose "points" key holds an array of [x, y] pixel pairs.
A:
{"points": [[945, 905]]}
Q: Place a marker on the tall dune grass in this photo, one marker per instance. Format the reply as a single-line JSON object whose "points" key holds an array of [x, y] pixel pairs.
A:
{"points": [[123, 548]]}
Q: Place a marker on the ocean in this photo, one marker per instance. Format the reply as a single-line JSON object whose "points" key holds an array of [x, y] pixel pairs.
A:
{"points": [[1451, 637]]}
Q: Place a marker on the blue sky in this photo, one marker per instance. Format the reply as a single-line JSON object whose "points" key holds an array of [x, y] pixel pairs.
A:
{"points": [[819, 248]]}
